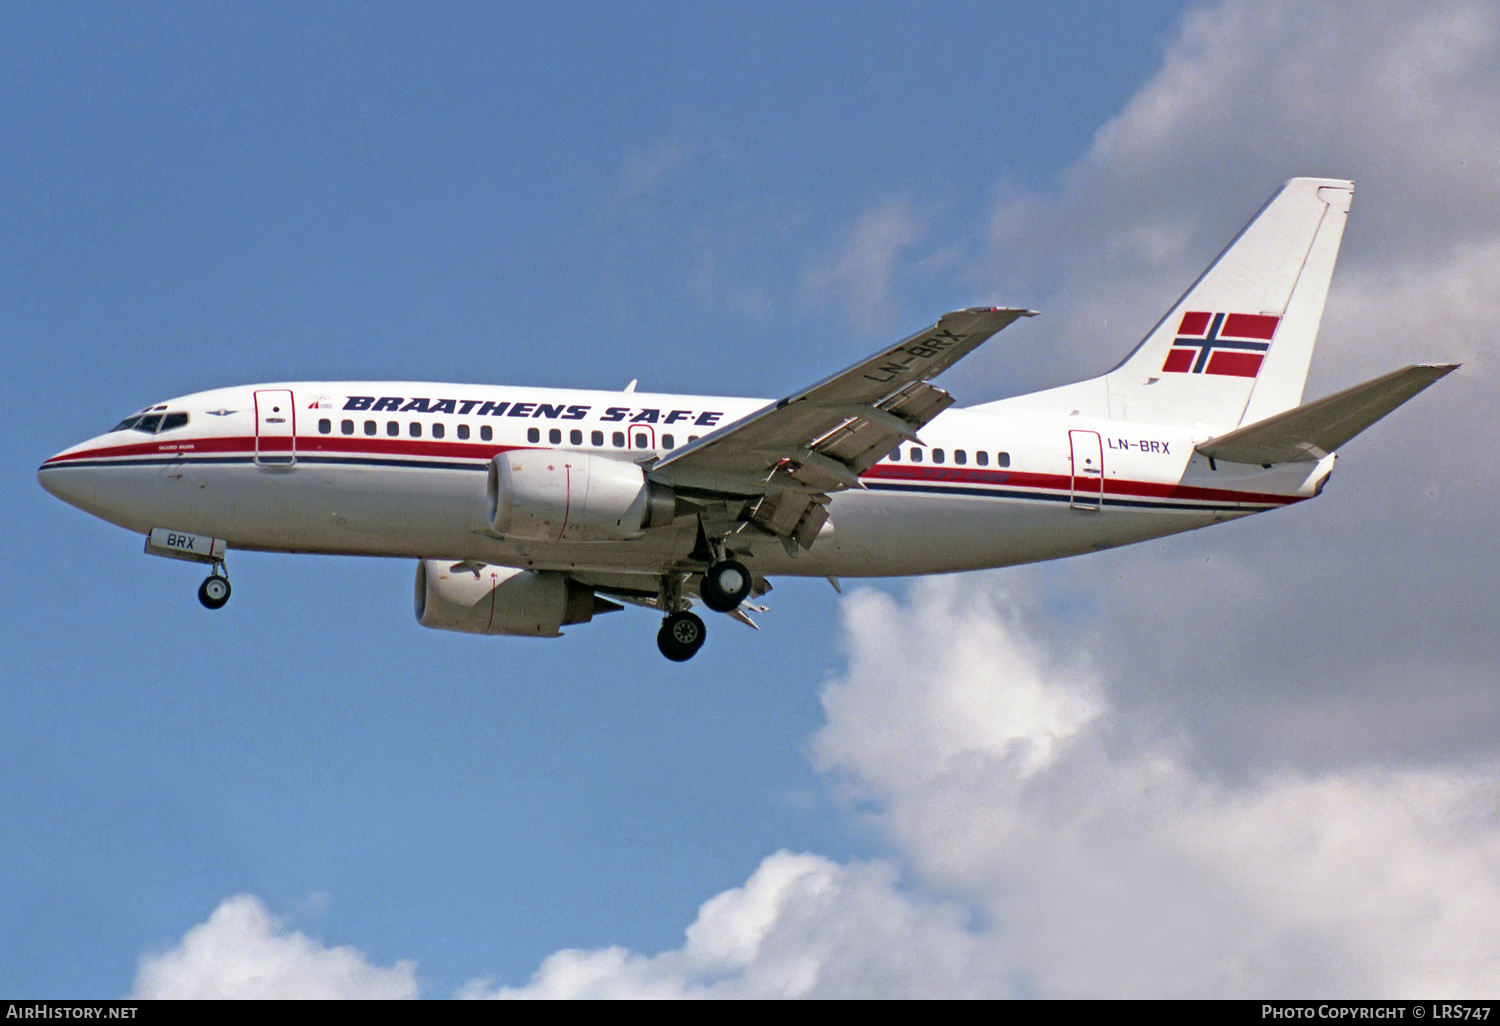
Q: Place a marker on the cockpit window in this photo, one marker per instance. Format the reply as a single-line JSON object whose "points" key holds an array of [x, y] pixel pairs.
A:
{"points": [[152, 423]]}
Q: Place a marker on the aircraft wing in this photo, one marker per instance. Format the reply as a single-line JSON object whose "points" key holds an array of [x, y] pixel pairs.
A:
{"points": [[790, 454]]}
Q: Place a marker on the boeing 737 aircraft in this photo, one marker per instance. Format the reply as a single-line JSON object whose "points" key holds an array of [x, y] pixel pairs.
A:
{"points": [[530, 509]]}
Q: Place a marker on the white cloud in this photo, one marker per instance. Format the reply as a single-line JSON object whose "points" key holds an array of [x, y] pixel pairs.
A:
{"points": [[1402, 97], [242, 951], [801, 926], [931, 689], [1075, 853], [645, 168], [1353, 630], [1257, 760], [1260, 760], [859, 276], [1106, 864]]}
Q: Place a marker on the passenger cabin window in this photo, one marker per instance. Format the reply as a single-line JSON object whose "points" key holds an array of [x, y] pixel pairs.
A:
{"points": [[916, 455], [960, 457], [369, 427], [1002, 459], [392, 428], [575, 437], [463, 432], [642, 442], [554, 436], [982, 458], [597, 438], [937, 456], [618, 438], [533, 434], [668, 442], [438, 431], [486, 433], [415, 429], [325, 426], [347, 427]]}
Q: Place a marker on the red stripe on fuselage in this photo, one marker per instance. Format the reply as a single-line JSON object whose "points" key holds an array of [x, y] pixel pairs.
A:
{"points": [[484, 451], [1061, 482], [309, 446]]}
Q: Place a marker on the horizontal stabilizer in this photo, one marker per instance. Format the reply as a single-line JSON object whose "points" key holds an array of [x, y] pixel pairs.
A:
{"points": [[1310, 432]]}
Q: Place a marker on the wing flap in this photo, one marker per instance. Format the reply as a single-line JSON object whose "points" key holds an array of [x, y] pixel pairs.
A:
{"points": [[873, 431], [788, 456], [795, 519], [1313, 430], [847, 417]]}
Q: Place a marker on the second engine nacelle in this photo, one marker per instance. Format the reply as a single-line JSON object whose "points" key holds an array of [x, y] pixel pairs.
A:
{"points": [[501, 599], [549, 495]]}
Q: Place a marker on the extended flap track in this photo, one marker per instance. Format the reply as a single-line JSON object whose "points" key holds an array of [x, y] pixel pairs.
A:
{"points": [[794, 517]]}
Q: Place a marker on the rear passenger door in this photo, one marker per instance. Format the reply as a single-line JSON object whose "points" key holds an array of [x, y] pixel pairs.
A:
{"points": [[1088, 469]]}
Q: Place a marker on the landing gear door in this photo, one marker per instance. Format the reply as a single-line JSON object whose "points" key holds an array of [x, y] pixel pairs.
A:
{"points": [[275, 428], [1088, 469]]}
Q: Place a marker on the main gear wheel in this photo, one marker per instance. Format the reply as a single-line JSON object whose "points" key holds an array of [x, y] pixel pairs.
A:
{"points": [[725, 586], [681, 636]]}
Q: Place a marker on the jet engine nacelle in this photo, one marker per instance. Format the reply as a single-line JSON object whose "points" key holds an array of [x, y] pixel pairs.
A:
{"points": [[546, 495], [501, 600]]}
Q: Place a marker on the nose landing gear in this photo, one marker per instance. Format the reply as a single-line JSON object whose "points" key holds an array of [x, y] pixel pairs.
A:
{"points": [[214, 591], [195, 548]]}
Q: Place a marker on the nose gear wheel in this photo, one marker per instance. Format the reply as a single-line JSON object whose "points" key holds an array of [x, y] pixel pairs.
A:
{"points": [[214, 591]]}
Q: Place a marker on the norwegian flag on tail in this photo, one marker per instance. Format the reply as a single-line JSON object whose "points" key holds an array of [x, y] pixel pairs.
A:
{"points": [[1232, 344]]}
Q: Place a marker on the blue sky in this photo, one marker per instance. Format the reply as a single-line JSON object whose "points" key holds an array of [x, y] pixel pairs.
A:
{"points": [[707, 200], [206, 196]]}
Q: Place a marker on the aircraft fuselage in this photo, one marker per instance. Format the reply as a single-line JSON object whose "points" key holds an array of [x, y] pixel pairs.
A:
{"points": [[398, 469]]}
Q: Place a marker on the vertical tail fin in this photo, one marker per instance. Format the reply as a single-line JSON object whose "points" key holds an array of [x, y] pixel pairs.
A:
{"points": [[1236, 347]]}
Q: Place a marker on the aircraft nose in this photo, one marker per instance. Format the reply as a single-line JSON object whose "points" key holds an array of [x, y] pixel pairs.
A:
{"points": [[63, 478]]}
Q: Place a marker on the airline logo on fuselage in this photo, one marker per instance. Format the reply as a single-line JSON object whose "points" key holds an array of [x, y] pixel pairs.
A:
{"points": [[549, 411], [1230, 344]]}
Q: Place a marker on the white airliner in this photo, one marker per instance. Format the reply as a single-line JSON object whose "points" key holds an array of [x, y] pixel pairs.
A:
{"points": [[529, 509]]}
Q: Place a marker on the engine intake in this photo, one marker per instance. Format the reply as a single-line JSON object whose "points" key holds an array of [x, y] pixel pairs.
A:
{"points": [[502, 600], [548, 495]]}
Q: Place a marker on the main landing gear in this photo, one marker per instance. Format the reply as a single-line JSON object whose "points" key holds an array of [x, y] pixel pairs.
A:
{"points": [[682, 632], [214, 591], [726, 584], [681, 636]]}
